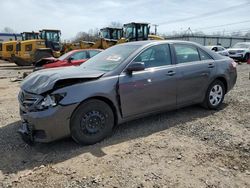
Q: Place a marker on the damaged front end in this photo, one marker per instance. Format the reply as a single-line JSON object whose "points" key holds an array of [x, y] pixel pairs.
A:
{"points": [[45, 117]]}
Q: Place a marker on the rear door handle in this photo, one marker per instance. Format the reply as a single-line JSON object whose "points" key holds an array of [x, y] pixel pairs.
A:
{"points": [[210, 65], [170, 73]]}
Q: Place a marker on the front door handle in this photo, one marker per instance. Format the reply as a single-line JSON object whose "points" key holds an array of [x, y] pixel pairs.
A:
{"points": [[210, 65], [170, 73]]}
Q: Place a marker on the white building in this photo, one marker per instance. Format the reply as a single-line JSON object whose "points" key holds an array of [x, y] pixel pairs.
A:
{"points": [[10, 36]]}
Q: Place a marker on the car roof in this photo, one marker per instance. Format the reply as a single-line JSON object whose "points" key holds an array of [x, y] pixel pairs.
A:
{"points": [[214, 46], [89, 49], [148, 42]]}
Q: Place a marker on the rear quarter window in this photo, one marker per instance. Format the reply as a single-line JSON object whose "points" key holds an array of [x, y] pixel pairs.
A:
{"points": [[204, 55]]}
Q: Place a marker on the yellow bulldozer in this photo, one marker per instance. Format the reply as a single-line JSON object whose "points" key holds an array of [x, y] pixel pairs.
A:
{"points": [[8, 48], [30, 51], [110, 36], [136, 31]]}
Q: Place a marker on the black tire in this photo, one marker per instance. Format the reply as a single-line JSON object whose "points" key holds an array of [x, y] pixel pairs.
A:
{"points": [[92, 121], [41, 54], [209, 98], [246, 57]]}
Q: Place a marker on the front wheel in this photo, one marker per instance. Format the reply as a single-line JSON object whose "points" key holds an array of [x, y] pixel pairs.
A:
{"points": [[214, 95], [92, 121]]}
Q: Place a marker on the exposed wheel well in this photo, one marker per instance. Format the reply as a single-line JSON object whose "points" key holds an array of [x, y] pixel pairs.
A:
{"points": [[107, 101], [224, 81]]}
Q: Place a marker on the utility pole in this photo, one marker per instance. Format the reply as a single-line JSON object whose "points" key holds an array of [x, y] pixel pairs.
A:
{"points": [[155, 25]]}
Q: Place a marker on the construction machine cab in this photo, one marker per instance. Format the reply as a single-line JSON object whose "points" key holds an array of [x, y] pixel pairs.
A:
{"points": [[111, 33], [1, 49], [136, 31], [30, 35], [46, 45], [52, 38]]}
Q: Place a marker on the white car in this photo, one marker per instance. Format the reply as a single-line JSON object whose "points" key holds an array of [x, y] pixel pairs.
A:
{"points": [[219, 50], [240, 51]]}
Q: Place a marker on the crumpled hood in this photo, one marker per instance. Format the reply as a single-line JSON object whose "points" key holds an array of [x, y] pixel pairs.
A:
{"points": [[44, 80]]}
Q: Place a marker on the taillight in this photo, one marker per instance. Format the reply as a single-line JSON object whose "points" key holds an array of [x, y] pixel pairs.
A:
{"points": [[233, 64]]}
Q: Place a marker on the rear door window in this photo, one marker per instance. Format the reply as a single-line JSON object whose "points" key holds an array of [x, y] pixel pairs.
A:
{"points": [[186, 53]]}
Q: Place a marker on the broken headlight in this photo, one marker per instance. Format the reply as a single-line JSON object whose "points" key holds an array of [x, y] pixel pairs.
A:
{"points": [[50, 100]]}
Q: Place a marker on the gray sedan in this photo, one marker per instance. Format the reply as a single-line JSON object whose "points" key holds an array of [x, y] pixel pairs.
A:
{"points": [[124, 82]]}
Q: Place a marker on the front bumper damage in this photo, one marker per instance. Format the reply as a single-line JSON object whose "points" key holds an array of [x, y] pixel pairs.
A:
{"points": [[47, 125], [26, 133]]}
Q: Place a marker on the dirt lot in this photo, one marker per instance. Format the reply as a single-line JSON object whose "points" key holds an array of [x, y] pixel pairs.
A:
{"points": [[190, 147]]}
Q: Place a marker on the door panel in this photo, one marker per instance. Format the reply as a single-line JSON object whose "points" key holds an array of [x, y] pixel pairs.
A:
{"points": [[147, 91], [194, 71], [151, 89], [192, 81]]}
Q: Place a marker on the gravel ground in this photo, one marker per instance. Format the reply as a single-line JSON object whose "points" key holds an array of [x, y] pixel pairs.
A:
{"points": [[190, 147]]}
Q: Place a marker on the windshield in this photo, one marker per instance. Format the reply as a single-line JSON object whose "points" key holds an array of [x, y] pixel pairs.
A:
{"points": [[110, 58], [64, 56], [129, 32], [51, 36], [29, 36], [105, 34], [242, 45]]}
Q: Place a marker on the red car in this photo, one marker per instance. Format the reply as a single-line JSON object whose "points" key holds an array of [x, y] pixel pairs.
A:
{"points": [[74, 57]]}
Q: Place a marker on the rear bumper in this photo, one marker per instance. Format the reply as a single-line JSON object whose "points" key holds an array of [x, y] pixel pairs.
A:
{"points": [[46, 126]]}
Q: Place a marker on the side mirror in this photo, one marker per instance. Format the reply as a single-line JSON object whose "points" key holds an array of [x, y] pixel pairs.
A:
{"points": [[136, 66], [70, 59]]}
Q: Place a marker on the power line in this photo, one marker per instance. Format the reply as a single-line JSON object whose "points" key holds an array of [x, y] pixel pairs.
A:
{"points": [[207, 14], [229, 24]]}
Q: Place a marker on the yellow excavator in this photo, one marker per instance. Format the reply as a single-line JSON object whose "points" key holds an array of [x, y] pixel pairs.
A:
{"points": [[29, 51], [8, 48]]}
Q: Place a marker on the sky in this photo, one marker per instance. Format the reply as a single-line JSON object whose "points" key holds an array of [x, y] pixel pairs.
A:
{"points": [[73, 16]]}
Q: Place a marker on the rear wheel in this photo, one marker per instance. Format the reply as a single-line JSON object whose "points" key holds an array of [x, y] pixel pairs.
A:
{"points": [[215, 95], [247, 56], [92, 121]]}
